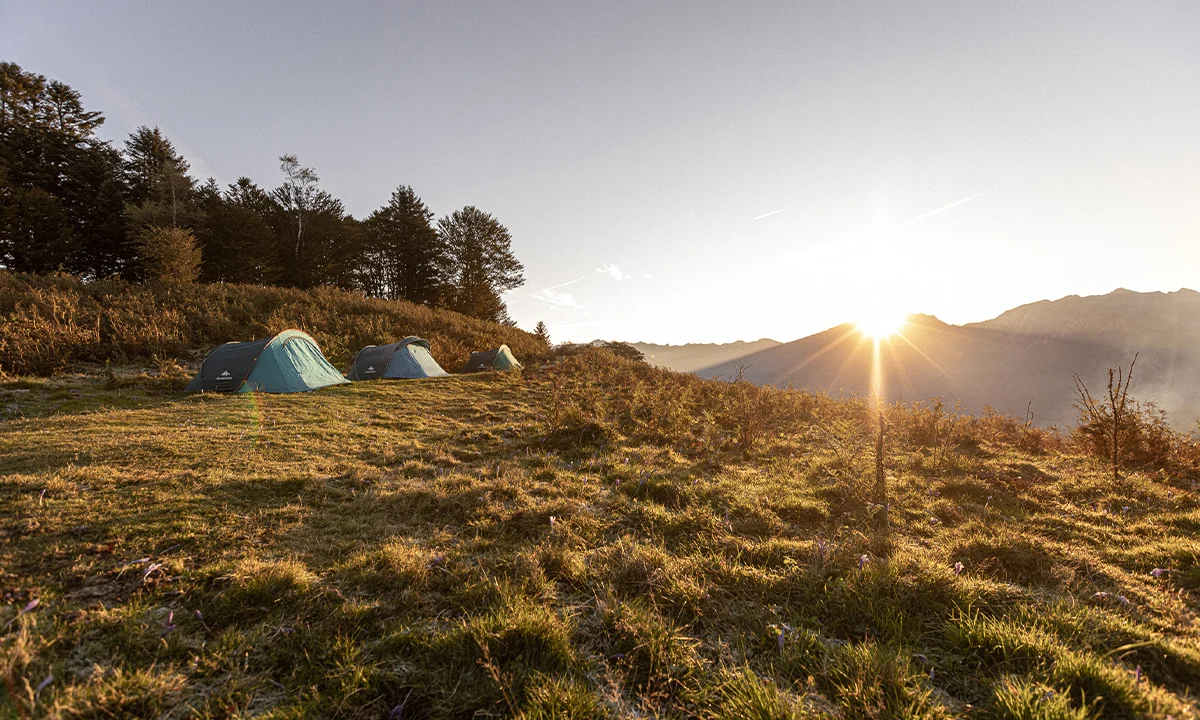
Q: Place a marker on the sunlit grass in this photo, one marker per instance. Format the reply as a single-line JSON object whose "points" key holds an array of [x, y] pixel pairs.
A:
{"points": [[589, 539]]}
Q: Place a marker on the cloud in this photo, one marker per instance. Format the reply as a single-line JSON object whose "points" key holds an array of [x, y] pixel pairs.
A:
{"points": [[926, 215], [647, 276], [773, 212], [614, 271], [552, 295]]}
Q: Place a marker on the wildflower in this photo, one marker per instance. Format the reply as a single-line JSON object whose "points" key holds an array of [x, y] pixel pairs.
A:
{"points": [[31, 605], [170, 624], [862, 561], [42, 685], [958, 568], [1159, 572]]}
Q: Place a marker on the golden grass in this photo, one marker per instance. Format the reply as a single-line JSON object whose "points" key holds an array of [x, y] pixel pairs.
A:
{"points": [[48, 324], [586, 539]]}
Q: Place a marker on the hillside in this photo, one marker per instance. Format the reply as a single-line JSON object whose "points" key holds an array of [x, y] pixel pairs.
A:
{"points": [[49, 324], [691, 357], [591, 538], [1027, 355]]}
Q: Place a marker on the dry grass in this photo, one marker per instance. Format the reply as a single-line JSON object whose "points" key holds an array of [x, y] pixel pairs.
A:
{"points": [[48, 324], [590, 538]]}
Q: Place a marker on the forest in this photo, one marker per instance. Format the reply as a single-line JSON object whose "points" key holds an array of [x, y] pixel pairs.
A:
{"points": [[73, 203]]}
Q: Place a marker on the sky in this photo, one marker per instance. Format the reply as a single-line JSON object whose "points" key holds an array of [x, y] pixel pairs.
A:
{"points": [[697, 171]]}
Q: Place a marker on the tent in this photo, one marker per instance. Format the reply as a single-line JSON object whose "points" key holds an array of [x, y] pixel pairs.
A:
{"points": [[408, 358], [499, 359], [285, 363]]}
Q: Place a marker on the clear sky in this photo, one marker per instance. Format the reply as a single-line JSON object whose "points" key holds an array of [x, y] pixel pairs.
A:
{"points": [[697, 171]]}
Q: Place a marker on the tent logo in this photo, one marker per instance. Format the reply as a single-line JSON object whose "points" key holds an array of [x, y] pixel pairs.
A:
{"points": [[225, 376], [370, 368]]}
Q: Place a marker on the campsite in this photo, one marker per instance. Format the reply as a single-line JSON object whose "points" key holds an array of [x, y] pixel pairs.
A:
{"points": [[581, 538], [599, 361]]}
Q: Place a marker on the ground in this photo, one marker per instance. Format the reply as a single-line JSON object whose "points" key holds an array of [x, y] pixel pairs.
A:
{"points": [[497, 545]]}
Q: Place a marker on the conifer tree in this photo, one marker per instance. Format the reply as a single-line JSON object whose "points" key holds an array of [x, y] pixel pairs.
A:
{"points": [[480, 263], [407, 255], [542, 333]]}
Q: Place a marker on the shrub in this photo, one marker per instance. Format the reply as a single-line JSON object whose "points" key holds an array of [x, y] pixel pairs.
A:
{"points": [[50, 322]]}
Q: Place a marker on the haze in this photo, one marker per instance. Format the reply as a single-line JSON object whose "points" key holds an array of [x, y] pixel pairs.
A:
{"points": [[686, 172]]}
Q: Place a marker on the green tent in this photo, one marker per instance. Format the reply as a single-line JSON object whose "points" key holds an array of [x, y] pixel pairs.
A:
{"points": [[285, 363], [499, 359], [409, 358]]}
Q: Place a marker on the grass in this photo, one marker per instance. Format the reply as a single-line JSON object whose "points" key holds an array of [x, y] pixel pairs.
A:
{"points": [[587, 539], [49, 324]]}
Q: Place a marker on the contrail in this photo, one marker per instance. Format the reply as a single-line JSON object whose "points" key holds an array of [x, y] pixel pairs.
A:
{"points": [[931, 213], [569, 282], [773, 212]]}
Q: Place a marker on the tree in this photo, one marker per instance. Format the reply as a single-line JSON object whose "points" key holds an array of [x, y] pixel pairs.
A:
{"points": [[480, 263], [237, 240], [155, 172], [405, 257], [320, 232], [169, 254], [542, 333], [62, 194]]}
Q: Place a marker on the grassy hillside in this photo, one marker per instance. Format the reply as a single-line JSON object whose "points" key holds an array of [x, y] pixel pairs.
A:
{"points": [[592, 538], [52, 323]]}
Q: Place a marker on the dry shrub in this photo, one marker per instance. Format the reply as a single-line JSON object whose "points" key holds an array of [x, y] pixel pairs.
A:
{"points": [[1146, 440], [49, 322]]}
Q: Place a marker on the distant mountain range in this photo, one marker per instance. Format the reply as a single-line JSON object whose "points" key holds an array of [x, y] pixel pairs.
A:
{"points": [[1025, 357], [696, 356]]}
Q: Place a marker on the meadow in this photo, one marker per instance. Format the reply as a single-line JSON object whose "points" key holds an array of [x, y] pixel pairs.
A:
{"points": [[53, 323], [588, 538]]}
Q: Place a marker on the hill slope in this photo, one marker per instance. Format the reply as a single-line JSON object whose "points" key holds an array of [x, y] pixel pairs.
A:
{"points": [[696, 356], [1027, 354], [51, 323], [590, 539]]}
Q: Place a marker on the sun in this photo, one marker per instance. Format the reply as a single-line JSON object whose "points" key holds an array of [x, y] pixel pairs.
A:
{"points": [[880, 325]]}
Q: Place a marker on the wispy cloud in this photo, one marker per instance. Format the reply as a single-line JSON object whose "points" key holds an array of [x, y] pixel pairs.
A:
{"points": [[773, 212], [553, 295], [614, 271], [926, 215]]}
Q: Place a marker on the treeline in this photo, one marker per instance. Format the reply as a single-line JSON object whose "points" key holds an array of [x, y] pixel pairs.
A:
{"points": [[70, 202]]}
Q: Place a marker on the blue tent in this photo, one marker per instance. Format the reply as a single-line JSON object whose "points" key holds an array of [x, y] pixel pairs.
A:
{"points": [[285, 363], [409, 358]]}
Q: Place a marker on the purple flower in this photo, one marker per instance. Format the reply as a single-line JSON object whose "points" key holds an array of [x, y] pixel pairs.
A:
{"points": [[958, 568], [42, 685], [31, 605], [1159, 572], [862, 561]]}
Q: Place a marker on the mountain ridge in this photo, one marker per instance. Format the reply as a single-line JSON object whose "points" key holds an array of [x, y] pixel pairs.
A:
{"points": [[1026, 357]]}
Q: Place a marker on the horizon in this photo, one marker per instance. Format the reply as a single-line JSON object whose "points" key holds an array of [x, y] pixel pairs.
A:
{"points": [[702, 177], [935, 317]]}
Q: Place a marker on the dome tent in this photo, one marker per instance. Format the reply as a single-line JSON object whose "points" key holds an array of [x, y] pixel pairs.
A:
{"points": [[499, 359], [284, 363], [409, 358]]}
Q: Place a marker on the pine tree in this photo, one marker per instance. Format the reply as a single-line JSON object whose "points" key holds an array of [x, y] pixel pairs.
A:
{"points": [[405, 256], [542, 333], [480, 263], [155, 172], [62, 195]]}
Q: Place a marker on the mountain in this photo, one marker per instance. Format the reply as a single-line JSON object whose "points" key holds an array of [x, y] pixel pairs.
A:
{"points": [[1026, 357], [694, 356]]}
